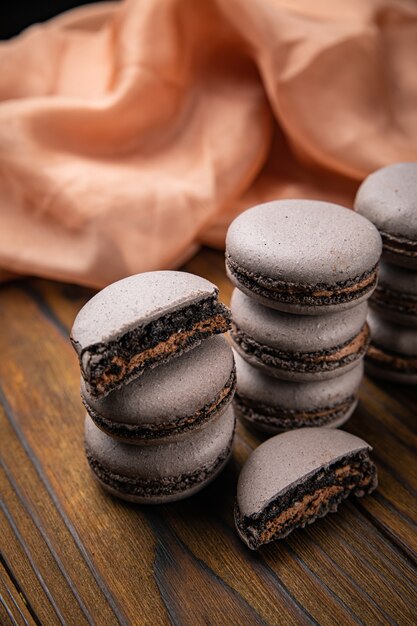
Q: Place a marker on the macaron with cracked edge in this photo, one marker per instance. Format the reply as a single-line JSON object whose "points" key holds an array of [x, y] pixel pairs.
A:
{"points": [[395, 296], [296, 347], [158, 473], [297, 477], [388, 198], [272, 405], [303, 256], [143, 321], [392, 354], [168, 401]]}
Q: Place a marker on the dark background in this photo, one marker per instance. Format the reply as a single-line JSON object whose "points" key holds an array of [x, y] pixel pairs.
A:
{"points": [[16, 15]]}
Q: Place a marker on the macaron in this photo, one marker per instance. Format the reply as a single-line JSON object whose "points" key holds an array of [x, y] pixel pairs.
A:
{"points": [[388, 199], [168, 401], [143, 321], [158, 473], [392, 354], [395, 296], [295, 347], [303, 256], [272, 405], [297, 477]]}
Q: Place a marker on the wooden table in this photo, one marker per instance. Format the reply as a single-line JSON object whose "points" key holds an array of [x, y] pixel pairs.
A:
{"points": [[73, 555]]}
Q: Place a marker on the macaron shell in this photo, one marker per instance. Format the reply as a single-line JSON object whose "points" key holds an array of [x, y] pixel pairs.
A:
{"points": [[395, 297], [303, 241], [393, 376], [158, 461], [174, 497], [388, 198], [273, 430], [299, 309], [392, 337], [295, 333], [394, 343], [136, 300], [259, 387], [289, 459], [172, 390]]}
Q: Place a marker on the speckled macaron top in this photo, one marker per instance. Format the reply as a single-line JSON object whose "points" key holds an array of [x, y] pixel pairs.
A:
{"points": [[388, 198], [287, 459], [142, 322], [303, 254], [295, 333], [136, 300]]}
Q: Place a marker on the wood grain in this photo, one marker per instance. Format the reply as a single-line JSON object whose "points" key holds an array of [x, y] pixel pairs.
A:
{"points": [[70, 554]]}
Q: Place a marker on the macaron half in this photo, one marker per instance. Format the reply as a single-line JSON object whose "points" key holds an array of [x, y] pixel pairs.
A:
{"points": [[297, 477], [392, 354], [295, 347], [387, 198], [142, 321], [303, 256], [272, 405], [158, 473], [170, 400]]}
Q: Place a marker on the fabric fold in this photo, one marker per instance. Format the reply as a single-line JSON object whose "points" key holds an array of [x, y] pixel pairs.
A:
{"points": [[132, 132]]}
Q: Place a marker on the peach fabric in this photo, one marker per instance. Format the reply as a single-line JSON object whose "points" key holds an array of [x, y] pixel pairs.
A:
{"points": [[131, 133]]}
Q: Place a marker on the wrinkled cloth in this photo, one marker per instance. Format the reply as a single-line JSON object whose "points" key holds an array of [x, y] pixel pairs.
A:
{"points": [[132, 133]]}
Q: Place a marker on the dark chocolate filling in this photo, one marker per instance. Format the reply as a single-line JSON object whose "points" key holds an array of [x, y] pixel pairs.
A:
{"points": [[302, 504], [170, 427], [395, 300], [391, 361], [287, 419], [319, 294], [163, 486], [398, 245], [320, 360], [107, 366]]}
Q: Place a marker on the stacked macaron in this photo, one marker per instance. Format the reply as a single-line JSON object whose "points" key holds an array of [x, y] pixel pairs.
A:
{"points": [[388, 198], [157, 382], [304, 271]]}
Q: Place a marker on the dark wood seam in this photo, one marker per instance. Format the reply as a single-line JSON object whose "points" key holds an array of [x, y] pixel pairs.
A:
{"points": [[32, 457], [19, 590], [348, 577], [160, 531], [8, 611], [31, 513], [45, 309], [321, 582], [271, 574], [380, 525], [32, 563], [10, 595]]}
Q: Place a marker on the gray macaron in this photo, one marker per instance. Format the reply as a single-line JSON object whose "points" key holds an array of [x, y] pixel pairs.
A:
{"points": [[142, 321], [303, 256], [297, 477], [272, 405], [296, 347], [388, 198], [157, 473], [392, 354], [170, 400], [395, 296]]}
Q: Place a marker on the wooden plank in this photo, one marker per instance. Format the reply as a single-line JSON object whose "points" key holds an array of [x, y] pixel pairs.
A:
{"points": [[15, 608], [183, 563]]}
